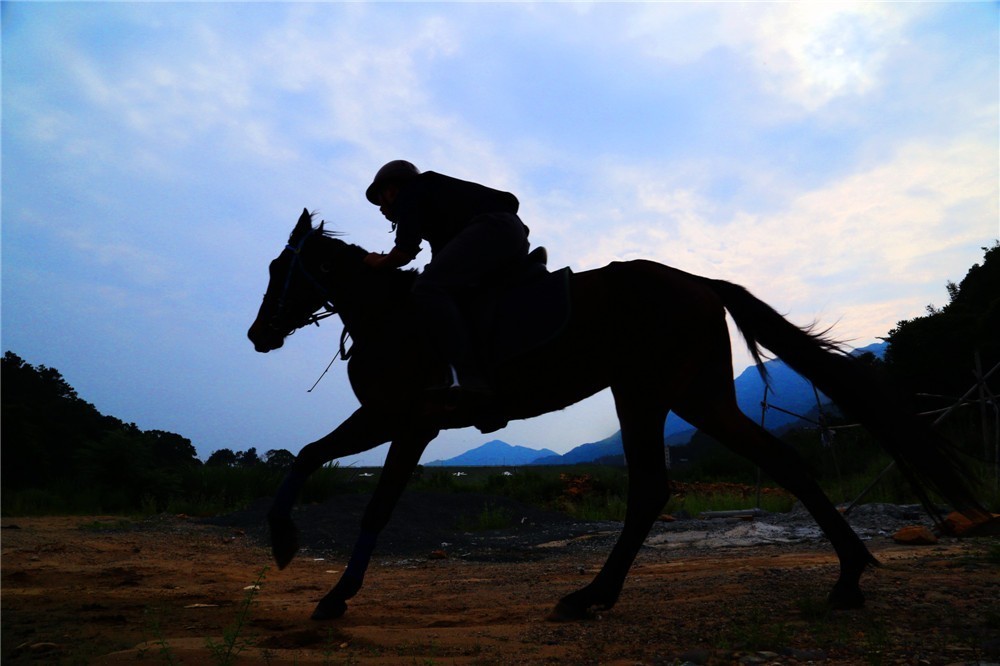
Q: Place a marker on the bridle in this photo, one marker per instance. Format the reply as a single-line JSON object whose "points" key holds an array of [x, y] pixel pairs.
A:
{"points": [[297, 264]]}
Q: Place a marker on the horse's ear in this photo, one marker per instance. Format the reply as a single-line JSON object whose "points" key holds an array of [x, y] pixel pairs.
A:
{"points": [[302, 227]]}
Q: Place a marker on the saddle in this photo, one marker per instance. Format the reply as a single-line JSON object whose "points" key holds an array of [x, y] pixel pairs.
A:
{"points": [[515, 312]]}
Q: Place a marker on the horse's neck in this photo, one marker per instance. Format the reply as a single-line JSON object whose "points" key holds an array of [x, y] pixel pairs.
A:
{"points": [[369, 310]]}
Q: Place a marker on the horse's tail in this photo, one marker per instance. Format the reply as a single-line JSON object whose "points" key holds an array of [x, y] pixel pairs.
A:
{"points": [[927, 459]]}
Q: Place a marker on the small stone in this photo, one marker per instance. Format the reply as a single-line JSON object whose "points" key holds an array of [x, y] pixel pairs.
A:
{"points": [[43, 647]]}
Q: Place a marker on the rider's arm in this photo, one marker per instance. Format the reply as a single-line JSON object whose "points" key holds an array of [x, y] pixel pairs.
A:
{"points": [[407, 217], [395, 259]]}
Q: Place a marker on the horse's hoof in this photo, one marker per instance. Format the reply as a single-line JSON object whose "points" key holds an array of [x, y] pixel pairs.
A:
{"points": [[841, 599], [329, 609], [284, 540], [569, 612]]}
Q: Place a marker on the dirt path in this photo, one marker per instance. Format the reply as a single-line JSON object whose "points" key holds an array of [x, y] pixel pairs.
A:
{"points": [[104, 590]]}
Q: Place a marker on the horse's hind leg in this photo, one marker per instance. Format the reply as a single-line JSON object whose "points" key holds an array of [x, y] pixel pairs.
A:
{"points": [[722, 419], [648, 491]]}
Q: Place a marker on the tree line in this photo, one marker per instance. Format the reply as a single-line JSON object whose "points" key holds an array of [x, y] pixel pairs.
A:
{"points": [[60, 453]]}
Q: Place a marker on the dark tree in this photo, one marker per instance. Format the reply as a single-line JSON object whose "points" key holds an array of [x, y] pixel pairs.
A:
{"points": [[248, 458], [222, 458], [58, 449], [937, 353], [44, 425], [171, 450], [280, 459]]}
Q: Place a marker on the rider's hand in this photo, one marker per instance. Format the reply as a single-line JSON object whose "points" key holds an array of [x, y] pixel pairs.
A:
{"points": [[395, 259], [375, 260]]}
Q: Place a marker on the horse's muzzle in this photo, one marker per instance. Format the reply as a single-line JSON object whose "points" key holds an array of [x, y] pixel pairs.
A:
{"points": [[264, 339]]}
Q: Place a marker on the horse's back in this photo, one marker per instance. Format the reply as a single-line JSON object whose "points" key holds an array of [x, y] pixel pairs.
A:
{"points": [[641, 287]]}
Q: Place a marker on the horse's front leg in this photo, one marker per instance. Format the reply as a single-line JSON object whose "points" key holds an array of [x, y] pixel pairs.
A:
{"points": [[362, 431], [402, 459]]}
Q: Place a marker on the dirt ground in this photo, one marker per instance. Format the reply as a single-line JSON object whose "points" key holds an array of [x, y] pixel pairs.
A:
{"points": [[180, 590]]}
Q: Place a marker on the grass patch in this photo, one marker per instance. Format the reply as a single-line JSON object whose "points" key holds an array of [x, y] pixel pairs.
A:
{"points": [[697, 504], [233, 640], [117, 525]]}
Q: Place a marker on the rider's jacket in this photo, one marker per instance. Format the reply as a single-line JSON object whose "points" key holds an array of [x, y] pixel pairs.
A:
{"points": [[436, 208]]}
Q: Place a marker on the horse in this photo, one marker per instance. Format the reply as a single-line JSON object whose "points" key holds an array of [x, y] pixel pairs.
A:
{"points": [[656, 335]]}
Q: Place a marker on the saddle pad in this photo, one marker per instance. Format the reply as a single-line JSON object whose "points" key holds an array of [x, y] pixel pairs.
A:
{"points": [[525, 317]]}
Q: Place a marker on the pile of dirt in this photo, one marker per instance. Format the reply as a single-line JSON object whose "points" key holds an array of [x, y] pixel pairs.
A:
{"points": [[422, 522], [425, 521]]}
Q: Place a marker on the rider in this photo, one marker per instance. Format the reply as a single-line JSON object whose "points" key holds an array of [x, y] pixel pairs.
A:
{"points": [[473, 231]]}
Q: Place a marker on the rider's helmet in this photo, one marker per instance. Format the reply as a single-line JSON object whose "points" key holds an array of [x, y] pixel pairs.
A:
{"points": [[392, 171]]}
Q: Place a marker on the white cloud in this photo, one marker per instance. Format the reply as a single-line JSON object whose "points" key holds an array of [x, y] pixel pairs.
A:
{"points": [[368, 81], [136, 265], [812, 53], [808, 53], [901, 227]]}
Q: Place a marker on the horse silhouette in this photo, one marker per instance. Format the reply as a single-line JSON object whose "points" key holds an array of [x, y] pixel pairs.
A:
{"points": [[655, 335]]}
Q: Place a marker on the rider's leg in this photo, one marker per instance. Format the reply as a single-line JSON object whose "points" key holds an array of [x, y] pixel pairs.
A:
{"points": [[485, 247]]}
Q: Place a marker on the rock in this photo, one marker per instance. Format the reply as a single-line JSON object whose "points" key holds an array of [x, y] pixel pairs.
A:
{"points": [[438, 555], [804, 655], [957, 524], [694, 657], [915, 535]]}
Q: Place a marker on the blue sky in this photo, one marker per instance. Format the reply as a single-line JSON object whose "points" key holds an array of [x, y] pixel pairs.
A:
{"points": [[840, 160]]}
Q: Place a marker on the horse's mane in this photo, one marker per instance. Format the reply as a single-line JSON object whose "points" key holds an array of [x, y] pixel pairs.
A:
{"points": [[378, 284]]}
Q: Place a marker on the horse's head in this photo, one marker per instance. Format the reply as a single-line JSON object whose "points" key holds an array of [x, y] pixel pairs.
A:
{"points": [[296, 289]]}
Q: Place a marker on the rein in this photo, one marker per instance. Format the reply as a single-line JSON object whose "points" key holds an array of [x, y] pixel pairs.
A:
{"points": [[343, 354]]}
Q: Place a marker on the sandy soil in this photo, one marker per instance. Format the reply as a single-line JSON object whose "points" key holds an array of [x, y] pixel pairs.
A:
{"points": [[178, 590]]}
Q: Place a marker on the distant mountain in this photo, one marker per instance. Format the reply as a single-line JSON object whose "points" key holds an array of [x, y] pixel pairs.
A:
{"points": [[788, 391], [494, 454], [610, 446]]}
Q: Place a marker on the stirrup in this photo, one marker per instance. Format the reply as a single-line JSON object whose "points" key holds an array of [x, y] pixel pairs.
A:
{"points": [[474, 386]]}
